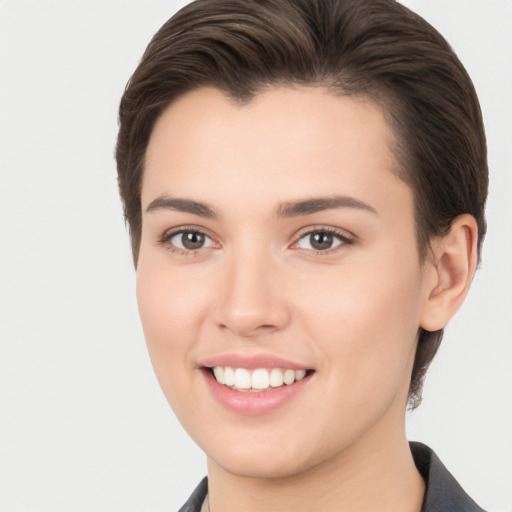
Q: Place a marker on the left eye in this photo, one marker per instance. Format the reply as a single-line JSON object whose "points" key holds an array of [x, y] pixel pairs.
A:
{"points": [[190, 240], [320, 241]]}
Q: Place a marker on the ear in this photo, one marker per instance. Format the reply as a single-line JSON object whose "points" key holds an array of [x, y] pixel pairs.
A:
{"points": [[449, 272]]}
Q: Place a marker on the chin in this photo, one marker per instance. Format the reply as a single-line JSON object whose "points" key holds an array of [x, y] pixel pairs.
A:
{"points": [[260, 469], [265, 461]]}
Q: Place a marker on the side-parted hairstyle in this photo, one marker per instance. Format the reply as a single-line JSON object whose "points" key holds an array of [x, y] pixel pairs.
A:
{"points": [[376, 49]]}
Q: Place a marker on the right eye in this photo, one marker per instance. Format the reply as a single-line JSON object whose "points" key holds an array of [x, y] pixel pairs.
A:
{"points": [[187, 240]]}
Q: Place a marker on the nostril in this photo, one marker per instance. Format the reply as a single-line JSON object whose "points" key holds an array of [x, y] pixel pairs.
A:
{"points": [[247, 329]]}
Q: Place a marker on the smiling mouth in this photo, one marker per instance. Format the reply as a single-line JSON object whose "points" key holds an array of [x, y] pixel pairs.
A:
{"points": [[257, 380]]}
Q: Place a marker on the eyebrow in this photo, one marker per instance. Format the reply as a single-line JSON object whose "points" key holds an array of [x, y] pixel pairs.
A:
{"points": [[284, 210], [318, 204], [182, 205]]}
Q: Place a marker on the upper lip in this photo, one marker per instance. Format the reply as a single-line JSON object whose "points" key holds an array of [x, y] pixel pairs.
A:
{"points": [[251, 362]]}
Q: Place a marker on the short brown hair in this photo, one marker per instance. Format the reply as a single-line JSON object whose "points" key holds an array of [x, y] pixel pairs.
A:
{"points": [[373, 48]]}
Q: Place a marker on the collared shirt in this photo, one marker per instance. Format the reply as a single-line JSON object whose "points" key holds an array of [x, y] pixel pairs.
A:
{"points": [[442, 492]]}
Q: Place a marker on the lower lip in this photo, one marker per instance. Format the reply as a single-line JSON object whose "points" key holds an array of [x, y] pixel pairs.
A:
{"points": [[254, 403]]}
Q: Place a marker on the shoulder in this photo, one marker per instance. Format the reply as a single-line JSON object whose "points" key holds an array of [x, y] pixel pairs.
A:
{"points": [[443, 493]]}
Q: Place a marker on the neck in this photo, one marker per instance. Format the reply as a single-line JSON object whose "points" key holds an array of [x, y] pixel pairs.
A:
{"points": [[371, 476]]}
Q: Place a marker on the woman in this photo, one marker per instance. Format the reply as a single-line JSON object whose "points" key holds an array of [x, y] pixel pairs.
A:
{"points": [[305, 186]]}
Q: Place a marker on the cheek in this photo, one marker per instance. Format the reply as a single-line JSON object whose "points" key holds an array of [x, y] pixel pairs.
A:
{"points": [[171, 299], [170, 308], [364, 317]]}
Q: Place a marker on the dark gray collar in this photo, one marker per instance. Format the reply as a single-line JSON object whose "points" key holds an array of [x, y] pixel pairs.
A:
{"points": [[196, 499], [443, 493]]}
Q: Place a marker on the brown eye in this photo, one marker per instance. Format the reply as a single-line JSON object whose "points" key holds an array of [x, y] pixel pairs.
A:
{"points": [[320, 241], [190, 240]]}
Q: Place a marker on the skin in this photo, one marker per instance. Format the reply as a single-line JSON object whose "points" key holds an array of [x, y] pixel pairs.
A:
{"points": [[351, 313]]}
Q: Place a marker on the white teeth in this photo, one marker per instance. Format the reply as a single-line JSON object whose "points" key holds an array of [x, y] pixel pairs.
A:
{"points": [[300, 374], [229, 376], [218, 371], [260, 379], [276, 378], [289, 377], [257, 380], [242, 378]]}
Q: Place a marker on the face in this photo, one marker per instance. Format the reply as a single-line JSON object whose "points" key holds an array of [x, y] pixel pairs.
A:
{"points": [[279, 281]]}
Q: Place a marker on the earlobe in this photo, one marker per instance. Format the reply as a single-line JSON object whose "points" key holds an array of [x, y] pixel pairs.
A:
{"points": [[451, 269]]}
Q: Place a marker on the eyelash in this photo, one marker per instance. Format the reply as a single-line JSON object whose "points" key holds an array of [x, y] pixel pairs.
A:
{"points": [[343, 237], [165, 240]]}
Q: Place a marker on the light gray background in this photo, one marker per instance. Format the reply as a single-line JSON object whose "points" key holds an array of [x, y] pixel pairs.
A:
{"points": [[83, 424]]}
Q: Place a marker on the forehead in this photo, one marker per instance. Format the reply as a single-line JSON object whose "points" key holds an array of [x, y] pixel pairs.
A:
{"points": [[286, 142]]}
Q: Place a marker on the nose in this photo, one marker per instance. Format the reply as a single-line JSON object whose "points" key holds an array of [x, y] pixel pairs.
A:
{"points": [[252, 299]]}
